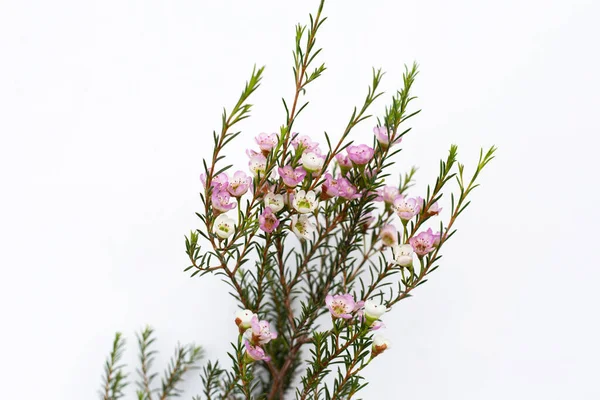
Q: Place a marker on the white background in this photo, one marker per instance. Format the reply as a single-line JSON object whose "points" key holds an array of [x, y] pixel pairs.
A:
{"points": [[106, 110]]}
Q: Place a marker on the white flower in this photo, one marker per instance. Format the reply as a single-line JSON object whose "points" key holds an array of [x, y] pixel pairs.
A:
{"points": [[224, 226], [305, 202], [302, 227], [243, 319], [374, 310], [274, 201], [389, 235], [380, 344], [258, 164], [403, 255], [312, 161]]}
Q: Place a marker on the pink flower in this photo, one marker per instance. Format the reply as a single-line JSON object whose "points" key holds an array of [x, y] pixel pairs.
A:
{"points": [[361, 154], [424, 242], [388, 194], [291, 177], [218, 182], [389, 235], [341, 305], [338, 187], [259, 332], [239, 184], [220, 201], [435, 209], [266, 141], [255, 353], [346, 189], [304, 142], [383, 137], [329, 188], [268, 221], [406, 207], [344, 162]]}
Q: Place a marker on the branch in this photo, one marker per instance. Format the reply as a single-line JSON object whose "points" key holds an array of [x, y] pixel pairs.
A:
{"points": [[183, 361], [114, 378], [145, 340]]}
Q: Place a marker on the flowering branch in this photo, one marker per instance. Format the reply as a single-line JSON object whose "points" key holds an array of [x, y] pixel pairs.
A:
{"points": [[308, 232], [457, 209]]}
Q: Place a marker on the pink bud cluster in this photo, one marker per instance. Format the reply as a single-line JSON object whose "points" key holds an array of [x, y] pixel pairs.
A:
{"points": [[407, 208], [338, 187], [309, 153], [256, 333], [308, 161], [237, 186], [343, 306], [224, 188], [276, 197]]}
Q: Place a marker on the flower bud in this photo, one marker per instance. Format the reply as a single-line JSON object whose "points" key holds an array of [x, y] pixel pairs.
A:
{"points": [[255, 353], [344, 163], [312, 162], [373, 311], [243, 319], [380, 344], [403, 255], [384, 135]]}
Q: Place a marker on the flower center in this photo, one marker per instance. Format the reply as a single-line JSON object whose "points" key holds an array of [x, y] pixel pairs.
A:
{"points": [[421, 245], [224, 228], [269, 222], [338, 307], [304, 203], [300, 227]]}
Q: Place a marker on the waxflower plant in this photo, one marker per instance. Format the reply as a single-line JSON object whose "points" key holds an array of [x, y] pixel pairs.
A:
{"points": [[317, 226], [323, 230]]}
